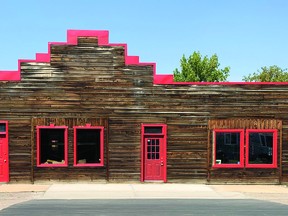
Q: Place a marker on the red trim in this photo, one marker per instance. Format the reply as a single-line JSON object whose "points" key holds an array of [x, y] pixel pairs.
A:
{"points": [[241, 164], [72, 39], [103, 39], [101, 146], [142, 156], [274, 152], [164, 134], [168, 79], [39, 164]]}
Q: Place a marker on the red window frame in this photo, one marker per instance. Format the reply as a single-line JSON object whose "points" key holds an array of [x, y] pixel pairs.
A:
{"points": [[101, 128], [52, 127], [274, 151], [241, 162]]}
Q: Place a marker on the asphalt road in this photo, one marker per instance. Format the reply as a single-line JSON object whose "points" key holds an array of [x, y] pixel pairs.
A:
{"points": [[149, 207]]}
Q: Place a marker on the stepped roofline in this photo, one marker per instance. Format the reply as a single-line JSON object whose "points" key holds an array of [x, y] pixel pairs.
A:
{"points": [[103, 39], [72, 39]]}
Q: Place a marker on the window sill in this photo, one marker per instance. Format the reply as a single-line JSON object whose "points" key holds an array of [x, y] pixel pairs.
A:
{"points": [[52, 165], [228, 166], [89, 165], [262, 166]]}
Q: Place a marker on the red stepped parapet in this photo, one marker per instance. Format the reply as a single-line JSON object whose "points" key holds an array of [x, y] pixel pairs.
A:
{"points": [[72, 39], [103, 39]]}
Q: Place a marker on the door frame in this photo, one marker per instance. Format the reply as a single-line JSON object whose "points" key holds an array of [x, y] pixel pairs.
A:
{"points": [[6, 151], [164, 145]]}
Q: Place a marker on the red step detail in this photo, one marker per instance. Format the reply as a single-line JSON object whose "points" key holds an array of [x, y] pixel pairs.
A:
{"points": [[72, 39], [103, 39]]}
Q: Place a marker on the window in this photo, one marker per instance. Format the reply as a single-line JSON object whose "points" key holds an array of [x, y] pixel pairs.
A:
{"points": [[153, 150], [228, 148], [261, 149], [88, 146], [3, 127], [52, 146], [153, 129]]}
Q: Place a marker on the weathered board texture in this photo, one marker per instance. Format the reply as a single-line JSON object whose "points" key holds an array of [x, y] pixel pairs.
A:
{"points": [[88, 83], [245, 175]]}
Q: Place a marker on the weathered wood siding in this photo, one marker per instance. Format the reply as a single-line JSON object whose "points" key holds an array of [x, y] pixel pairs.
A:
{"points": [[245, 175], [70, 172], [92, 82]]}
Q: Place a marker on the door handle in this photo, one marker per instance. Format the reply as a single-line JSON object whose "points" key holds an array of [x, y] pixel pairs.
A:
{"points": [[162, 164], [5, 161]]}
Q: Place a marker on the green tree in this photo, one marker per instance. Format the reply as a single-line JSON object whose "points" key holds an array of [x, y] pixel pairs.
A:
{"points": [[198, 69], [268, 74]]}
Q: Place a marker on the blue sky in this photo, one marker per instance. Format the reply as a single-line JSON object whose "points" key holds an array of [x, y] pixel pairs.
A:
{"points": [[245, 34]]}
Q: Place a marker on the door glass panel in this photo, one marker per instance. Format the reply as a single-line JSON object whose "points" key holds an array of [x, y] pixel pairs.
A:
{"points": [[2, 127], [153, 149], [157, 142], [149, 148]]}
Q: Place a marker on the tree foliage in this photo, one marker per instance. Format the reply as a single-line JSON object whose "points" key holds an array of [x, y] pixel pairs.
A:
{"points": [[198, 69], [268, 74]]}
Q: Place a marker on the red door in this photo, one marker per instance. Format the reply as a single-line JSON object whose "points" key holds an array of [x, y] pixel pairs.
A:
{"points": [[154, 158], [4, 163]]}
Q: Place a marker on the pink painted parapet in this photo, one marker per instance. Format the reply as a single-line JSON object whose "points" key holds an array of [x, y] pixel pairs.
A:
{"points": [[72, 39], [103, 39], [169, 80]]}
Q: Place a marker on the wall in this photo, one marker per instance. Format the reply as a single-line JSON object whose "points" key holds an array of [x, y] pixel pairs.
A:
{"points": [[92, 82]]}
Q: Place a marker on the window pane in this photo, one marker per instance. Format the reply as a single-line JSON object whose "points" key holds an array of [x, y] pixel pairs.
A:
{"points": [[52, 146], [227, 148], [2, 127], [149, 149], [88, 146], [157, 149], [153, 130], [260, 148], [157, 142]]}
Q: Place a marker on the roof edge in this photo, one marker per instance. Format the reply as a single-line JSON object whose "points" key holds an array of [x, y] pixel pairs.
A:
{"points": [[72, 39]]}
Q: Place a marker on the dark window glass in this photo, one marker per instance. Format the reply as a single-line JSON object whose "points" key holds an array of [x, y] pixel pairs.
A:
{"points": [[153, 149], [52, 146], [88, 146], [153, 130], [260, 148], [227, 148], [2, 127]]}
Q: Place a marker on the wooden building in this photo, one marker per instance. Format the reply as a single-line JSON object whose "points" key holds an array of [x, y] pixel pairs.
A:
{"points": [[86, 111]]}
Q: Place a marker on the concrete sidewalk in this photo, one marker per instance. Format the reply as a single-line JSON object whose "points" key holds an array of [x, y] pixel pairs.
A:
{"points": [[15, 193], [137, 191]]}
